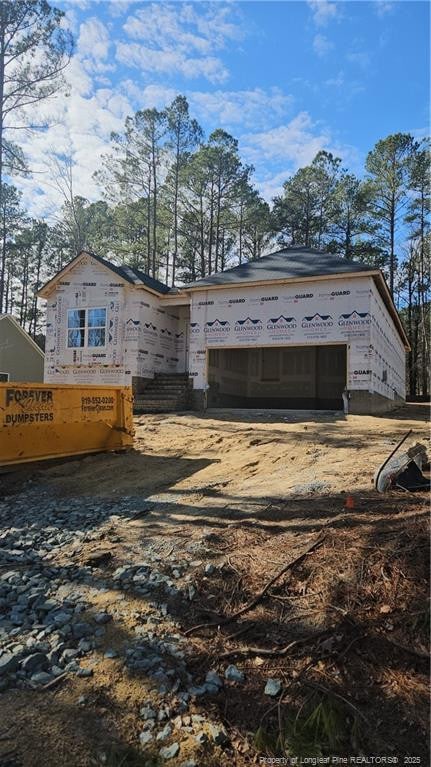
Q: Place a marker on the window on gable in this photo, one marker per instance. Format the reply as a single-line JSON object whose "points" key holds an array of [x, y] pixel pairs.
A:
{"points": [[86, 328]]}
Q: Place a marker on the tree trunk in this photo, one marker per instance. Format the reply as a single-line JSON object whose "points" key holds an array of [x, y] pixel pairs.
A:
{"points": [[2, 76]]}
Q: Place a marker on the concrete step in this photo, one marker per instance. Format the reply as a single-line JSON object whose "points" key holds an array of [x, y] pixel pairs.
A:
{"points": [[158, 407], [159, 402], [157, 393], [160, 392], [166, 385]]}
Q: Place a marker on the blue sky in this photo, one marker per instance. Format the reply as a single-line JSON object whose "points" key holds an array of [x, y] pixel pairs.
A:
{"points": [[285, 78]]}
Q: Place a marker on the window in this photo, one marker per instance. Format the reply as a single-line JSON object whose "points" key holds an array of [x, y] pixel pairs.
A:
{"points": [[86, 327], [4, 377]]}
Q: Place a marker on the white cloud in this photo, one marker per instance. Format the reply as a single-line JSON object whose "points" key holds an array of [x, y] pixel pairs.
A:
{"points": [[249, 108], [93, 39], [150, 96], [171, 62], [321, 45], [256, 108], [290, 147], [336, 82], [295, 143], [271, 185], [181, 38], [323, 11], [361, 58], [80, 126], [382, 7], [183, 26]]}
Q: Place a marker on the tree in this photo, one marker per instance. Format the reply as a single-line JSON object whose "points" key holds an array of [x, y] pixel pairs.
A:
{"points": [[184, 135], [388, 166], [12, 219], [418, 220], [34, 51], [295, 212], [348, 218], [133, 171]]}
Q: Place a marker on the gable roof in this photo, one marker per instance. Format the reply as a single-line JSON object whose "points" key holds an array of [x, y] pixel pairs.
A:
{"points": [[127, 273], [286, 263], [15, 323]]}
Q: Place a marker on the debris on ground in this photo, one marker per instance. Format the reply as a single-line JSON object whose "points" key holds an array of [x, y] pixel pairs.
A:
{"points": [[308, 633]]}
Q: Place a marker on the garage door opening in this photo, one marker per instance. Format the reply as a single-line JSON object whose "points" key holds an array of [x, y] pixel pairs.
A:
{"points": [[296, 377]]}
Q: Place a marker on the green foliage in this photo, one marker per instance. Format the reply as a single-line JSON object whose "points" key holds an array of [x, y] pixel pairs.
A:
{"points": [[322, 726]]}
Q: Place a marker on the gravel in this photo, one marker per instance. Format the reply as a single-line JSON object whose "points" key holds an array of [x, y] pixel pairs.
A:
{"points": [[273, 687], [51, 622], [170, 752], [234, 674]]}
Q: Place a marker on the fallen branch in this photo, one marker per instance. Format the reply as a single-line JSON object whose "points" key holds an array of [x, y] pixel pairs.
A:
{"points": [[55, 681], [242, 631], [261, 594], [273, 652]]}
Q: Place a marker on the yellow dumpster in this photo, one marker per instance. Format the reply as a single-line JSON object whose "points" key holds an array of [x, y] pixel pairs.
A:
{"points": [[39, 421]]}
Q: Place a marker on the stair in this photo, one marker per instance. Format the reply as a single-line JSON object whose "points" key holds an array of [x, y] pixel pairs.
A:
{"points": [[166, 393]]}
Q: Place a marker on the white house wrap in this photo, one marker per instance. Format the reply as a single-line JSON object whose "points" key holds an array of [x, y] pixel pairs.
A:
{"points": [[330, 323]]}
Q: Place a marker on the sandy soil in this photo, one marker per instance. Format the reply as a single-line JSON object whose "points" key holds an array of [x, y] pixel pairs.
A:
{"points": [[252, 490], [250, 458]]}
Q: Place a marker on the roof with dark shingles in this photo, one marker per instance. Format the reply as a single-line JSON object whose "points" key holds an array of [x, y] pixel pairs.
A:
{"points": [[132, 275], [287, 263]]}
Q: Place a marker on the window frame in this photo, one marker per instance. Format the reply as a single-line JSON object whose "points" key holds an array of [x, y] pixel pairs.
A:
{"points": [[86, 327]]}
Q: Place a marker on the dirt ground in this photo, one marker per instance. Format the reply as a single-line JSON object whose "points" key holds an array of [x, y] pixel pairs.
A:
{"points": [[345, 629]]}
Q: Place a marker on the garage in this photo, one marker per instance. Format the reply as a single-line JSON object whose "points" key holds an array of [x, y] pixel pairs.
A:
{"points": [[293, 377]]}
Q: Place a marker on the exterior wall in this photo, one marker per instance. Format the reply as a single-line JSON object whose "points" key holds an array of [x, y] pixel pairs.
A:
{"points": [[311, 313], [18, 356], [155, 336], [388, 361], [87, 285], [141, 337]]}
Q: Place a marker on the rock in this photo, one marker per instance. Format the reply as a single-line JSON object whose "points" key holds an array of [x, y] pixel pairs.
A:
{"points": [[85, 672], [169, 752], [212, 689], [35, 661], [102, 618], [198, 691], [214, 679], [146, 712], [209, 569], [80, 630], [197, 718], [85, 645], [41, 678], [273, 687], [189, 763], [233, 674], [163, 734], [145, 737], [8, 663], [69, 654], [218, 734], [98, 558], [111, 654]]}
